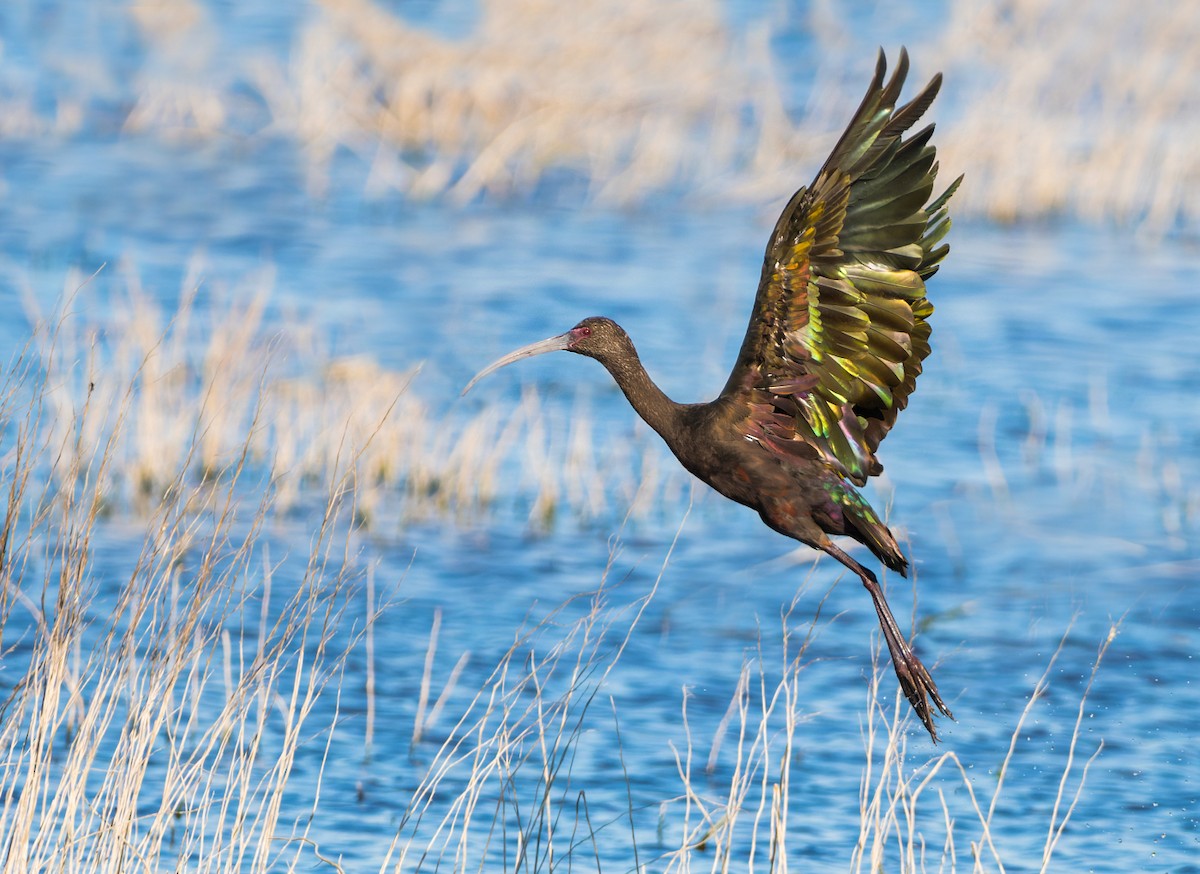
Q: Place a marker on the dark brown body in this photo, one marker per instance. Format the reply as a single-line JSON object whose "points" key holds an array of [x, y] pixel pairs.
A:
{"points": [[798, 493], [836, 341]]}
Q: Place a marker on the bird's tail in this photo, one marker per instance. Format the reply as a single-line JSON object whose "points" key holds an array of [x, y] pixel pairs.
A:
{"points": [[865, 526]]}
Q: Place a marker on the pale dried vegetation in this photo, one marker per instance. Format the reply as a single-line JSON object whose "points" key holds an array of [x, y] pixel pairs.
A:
{"points": [[154, 715], [154, 706], [1089, 110], [502, 791], [1050, 108], [630, 96], [1094, 119], [196, 388], [219, 380]]}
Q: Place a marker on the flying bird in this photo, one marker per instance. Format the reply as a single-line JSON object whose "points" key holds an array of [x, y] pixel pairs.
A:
{"points": [[837, 337]]}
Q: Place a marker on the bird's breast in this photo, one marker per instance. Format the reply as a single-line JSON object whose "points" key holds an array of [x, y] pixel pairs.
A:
{"points": [[744, 472]]}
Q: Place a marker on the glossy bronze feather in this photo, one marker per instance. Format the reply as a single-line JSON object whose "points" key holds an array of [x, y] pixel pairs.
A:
{"points": [[836, 340], [839, 327]]}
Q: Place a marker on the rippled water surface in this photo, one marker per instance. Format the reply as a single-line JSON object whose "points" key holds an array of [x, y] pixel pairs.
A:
{"points": [[1043, 480]]}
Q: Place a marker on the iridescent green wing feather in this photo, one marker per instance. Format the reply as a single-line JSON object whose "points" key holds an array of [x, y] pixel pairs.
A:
{"points": [[840, 323]]}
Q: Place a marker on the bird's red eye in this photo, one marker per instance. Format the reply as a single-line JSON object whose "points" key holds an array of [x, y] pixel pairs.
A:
{"points": [[583, 331]]}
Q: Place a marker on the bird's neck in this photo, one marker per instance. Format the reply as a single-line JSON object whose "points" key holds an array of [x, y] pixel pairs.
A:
{"points": [[647, 399]]}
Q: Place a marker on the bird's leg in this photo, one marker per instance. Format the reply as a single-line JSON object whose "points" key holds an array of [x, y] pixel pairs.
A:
{"points": [[914, 679]]}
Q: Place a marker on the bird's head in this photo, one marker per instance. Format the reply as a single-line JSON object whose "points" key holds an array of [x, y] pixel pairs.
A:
{"points": [[595, 337]]}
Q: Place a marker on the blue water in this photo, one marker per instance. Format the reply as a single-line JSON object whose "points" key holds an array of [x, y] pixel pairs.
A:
{"points": [[1043, 479]]}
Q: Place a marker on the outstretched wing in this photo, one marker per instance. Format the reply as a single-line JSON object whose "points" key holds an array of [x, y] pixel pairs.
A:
{"points": [[840, 323]]}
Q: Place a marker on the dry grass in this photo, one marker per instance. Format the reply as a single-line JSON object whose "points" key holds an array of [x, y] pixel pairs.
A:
{"points": [[1094, 119], [898, 833], [533, 88], [155, 707], [756, 744], [687, 102], [934, 813], [501, 791], [165, 730], [207, 386]]}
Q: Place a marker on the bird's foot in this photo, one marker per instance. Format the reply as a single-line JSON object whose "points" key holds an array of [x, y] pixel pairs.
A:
{"points": [[917, 684]]}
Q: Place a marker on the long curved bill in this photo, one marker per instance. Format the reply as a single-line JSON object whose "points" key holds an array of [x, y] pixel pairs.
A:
{"points": [[552, 344]]}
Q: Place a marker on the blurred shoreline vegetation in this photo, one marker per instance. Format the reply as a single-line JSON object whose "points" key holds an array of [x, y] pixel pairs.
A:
{"points": [[231, 380], [1094, 120], [224, 382]]}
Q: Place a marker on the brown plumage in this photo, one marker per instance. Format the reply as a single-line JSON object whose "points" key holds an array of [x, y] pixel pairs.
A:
{"points": [[834, 346]]}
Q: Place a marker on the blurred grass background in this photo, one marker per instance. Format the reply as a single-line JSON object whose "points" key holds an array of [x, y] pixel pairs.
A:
{"points": [[1057, 109]]}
